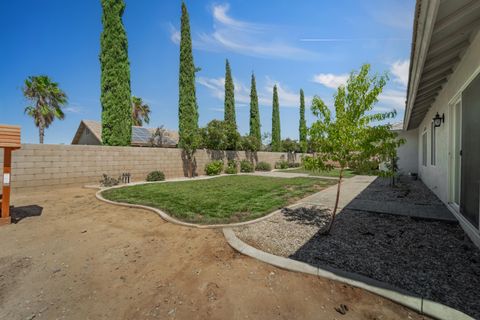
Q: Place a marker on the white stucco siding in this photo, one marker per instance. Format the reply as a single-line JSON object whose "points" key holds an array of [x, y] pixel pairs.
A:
{"points": [[436, 177], [408, 153]]}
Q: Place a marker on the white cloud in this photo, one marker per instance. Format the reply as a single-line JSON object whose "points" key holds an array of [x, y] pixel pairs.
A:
{"points": [[251, 39], [287, 97], [331, 80], [400, 70], [74, 108], [392, 98], [174, 34]]}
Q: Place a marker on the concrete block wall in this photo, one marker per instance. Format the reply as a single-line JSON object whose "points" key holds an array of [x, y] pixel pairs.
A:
{"points": [[36, 166]]}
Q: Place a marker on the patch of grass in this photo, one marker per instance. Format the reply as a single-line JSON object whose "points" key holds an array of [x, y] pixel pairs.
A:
{"points": [[332, 173], [219, 200]]}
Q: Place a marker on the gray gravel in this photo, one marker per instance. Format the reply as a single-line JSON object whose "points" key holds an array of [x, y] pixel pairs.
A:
{"points": [[434, 259]]}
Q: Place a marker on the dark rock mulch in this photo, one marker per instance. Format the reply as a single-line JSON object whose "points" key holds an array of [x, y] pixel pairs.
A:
{"points": [[405, 190], [433, 259]]}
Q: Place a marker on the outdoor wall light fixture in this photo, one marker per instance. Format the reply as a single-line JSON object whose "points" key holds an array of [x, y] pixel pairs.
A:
{"points": [[437, 121]]}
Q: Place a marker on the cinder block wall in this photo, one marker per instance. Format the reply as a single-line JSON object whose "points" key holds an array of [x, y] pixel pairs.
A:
{"points": [[36, 166]]}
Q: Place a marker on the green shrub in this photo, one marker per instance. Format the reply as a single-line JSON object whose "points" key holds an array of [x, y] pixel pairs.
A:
{"points": [[214, 168], [365, 166], [246, 166], [231, 167], [263, 166], [156, 176], [282, 164], [294, 165]]}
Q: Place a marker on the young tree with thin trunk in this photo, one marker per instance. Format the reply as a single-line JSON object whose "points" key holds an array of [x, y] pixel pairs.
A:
{"points": [[48, 100], [350, 135], [140, 112], [303, 125], [115, 77], [276, 136], [189, 138], [254, 113]]}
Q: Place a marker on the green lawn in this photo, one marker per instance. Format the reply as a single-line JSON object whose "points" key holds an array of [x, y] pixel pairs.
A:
{"points": [[332, 173], [219, 200]]}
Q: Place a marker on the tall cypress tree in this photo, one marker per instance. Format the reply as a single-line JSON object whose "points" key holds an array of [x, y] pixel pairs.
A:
{"points": [[276, 137], [187, 101], [303, 125], [254, 113], [229, 96], [115, 77]]}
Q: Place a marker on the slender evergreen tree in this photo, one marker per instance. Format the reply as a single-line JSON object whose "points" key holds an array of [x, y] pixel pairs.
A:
{"points": [[276, 137], [254, 113], [115, 77], [189, 138], [229, 96], [303, 124]]}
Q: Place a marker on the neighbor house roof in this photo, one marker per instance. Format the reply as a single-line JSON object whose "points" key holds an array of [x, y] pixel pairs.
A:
{"points": [[442, 32], [140, 136]]}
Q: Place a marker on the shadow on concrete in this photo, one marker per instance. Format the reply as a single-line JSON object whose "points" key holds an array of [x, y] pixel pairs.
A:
{"points": [[19, 213]]}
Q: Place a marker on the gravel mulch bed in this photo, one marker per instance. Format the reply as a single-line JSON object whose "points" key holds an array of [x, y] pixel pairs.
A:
{"points": [[404, 190], [430, 258]]}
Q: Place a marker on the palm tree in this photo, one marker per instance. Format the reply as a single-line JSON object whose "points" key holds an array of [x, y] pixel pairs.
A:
{"points": [[140, 112], [48, 100]]}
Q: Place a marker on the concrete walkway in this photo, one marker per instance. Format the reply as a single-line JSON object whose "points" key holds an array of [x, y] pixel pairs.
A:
{"points": [[432, 211], [350, 189]]}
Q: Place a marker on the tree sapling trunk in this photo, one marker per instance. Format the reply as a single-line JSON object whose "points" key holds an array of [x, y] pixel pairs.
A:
{"points": [[336, 201]]}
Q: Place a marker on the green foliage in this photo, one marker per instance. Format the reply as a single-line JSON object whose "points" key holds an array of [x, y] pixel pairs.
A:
{"points": [[282, 164], [230, 117], [156, 176], [232, 167], [289, 145], [214, 168], [107, 181], [229, 96], [48, 100], [350, 135], [140, 112], [365, 166], [246, 166], [276, 140], [254, 113], [115, 77], [263, 166], [189, 138], [249, 143], [303, 124], [220, 135]]}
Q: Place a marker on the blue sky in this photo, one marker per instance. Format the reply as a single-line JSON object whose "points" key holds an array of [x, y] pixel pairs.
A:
{"points": [[307, 44]]}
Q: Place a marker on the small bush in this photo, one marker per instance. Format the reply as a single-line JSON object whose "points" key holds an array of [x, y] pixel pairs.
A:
{"points": [[246, 166], [283, 164], [294, 165], [156, 176], [231, 167], [108, 181], [214, 168], [366, 167], [263, 166]]}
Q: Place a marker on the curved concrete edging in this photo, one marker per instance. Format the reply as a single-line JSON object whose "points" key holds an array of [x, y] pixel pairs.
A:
{"points": [[169, 218], [416, 303]]}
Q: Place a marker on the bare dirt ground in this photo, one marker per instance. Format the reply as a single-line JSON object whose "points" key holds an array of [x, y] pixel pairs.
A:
{"points": [[73, 257]]}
